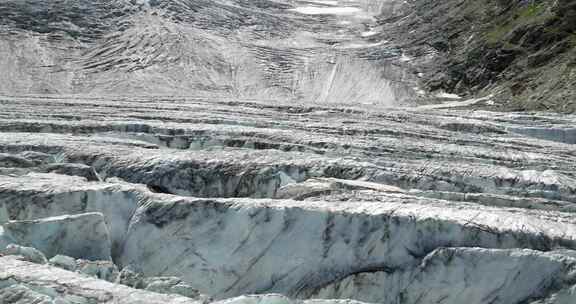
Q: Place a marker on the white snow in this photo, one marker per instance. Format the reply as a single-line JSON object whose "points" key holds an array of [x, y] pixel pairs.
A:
{"points": [[448, 95], [369, 33], [324, 2], [405, 58], [455, 104], [337, 10], [419, 91], [360, 45]]}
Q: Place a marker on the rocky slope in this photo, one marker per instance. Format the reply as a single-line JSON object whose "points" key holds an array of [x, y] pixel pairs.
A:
{"points": [[521, 51]]}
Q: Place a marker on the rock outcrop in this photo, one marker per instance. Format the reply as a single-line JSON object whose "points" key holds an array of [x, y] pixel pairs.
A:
{"points": [[520, 51]]}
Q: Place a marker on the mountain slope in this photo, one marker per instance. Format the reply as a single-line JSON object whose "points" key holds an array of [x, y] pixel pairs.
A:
{"points": [[247, 49], [521, 51]]}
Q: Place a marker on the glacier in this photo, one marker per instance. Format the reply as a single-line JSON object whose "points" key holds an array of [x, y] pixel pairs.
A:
{"points": [[264, 152]]}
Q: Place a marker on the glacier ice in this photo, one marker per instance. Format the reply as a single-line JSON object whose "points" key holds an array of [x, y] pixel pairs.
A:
{"points": [[309, 203]]}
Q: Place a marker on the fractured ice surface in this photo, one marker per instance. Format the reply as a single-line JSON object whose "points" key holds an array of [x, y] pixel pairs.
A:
{"points": [[461, 275], [284, 180], [229, 198], [24, 282], [241, 246], [83, 235]]}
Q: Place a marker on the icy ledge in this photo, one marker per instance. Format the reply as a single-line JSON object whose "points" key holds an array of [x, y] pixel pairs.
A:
{"points": [[398, 249], [467, 275], [23, 282]]}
